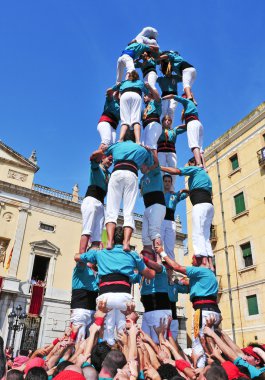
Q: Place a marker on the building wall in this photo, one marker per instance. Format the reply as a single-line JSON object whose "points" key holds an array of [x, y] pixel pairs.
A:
{"points": [[23, 206], [244, 139]]}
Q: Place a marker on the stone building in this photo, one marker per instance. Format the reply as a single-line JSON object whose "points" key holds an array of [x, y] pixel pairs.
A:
{"points": [[236, 165], [41, 227]]}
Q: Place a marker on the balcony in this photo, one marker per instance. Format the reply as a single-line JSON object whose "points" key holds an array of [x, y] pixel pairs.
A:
{"points": [[261, 156], [213, 234]]}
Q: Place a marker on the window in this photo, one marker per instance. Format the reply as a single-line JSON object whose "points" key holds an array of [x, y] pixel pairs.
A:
{"points": [[239, 203], [247, 254], [234, 162], [47, 227], [252, 305], [40, 269]]}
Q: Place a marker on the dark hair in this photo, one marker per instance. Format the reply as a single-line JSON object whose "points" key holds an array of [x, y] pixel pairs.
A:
{"points": [[98, 354], [133, 76], [216, 372], [2, 359], [24, 352], [118, 235], [14, 374], [129, 135], [167, 176], [192, 160], [61, 366], [113, 361], [167, 371], [37, 373], [177, 377], [165, 67]]}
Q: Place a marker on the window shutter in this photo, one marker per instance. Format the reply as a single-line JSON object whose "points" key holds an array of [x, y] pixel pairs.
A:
{"points": [[239, 203], [234, 162], [246, 250], [252, 305]]}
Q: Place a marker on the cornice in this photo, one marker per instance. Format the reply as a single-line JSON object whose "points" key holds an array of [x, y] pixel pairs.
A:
{"points": [[18, 156], [257, 115]]}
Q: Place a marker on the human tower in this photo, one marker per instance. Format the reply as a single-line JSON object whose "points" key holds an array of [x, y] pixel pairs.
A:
{"points": [[147, 143]]}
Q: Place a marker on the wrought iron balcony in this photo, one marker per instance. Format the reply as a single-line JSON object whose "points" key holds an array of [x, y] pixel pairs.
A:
{"points": [[261, 156], [213, 234]]}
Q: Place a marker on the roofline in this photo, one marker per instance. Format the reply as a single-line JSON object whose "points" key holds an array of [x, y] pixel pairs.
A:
{"points": [[234, 132], [15, 153]]}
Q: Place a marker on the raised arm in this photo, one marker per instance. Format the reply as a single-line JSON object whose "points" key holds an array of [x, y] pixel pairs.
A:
{"points": [[173, 171], [153, 265], [97, 155], [177, 267], [222, 345], [153, 91]]}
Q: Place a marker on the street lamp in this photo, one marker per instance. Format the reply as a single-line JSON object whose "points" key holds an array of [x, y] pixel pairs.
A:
{"points": [[16, 321]]}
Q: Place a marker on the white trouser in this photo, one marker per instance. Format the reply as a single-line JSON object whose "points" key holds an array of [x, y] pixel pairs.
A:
{"points": [[196, 343], [151, 78], [195, 134], [107, 133], [130, 108], [188, 77], [123, 185], [168, 236], [168, 159], [202, 216], [152, 318], [83, 318], [147, 36], [93, 218], [115, 318], [151, 134], [174, 328], [124, 61], [152, 220], [168, 108]]}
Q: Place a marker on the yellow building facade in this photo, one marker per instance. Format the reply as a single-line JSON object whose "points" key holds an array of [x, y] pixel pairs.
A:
{"points": [[236, 165], [41, 226]]}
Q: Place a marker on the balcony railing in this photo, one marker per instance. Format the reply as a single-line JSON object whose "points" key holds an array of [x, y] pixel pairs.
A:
{"points": [[213, 234], [261, 156], [55, 193]]}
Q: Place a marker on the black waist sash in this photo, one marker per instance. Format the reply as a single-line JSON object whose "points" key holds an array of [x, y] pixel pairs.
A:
{"points": [[167, 147], [170, 214], [188, 118], [83, 299], [154, 197], [150, 118], [173, 307], [96, 192], [165, 93], [184, 65], [200, 196], [132, 89], [148, 70], [108, 284], [114, 123], [126, 165], [206, 306], [155, 301]]}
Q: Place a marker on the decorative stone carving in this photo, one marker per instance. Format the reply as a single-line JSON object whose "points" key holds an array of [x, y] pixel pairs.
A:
{"points": [[3, 247], [17, 175], [8, 216]]}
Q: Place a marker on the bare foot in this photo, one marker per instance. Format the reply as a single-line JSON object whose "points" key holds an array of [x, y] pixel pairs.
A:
{"points": [[109, 245], [126, 247]]}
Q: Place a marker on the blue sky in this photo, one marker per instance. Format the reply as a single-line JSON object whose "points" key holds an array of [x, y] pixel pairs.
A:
{"points": [[57, 57]]}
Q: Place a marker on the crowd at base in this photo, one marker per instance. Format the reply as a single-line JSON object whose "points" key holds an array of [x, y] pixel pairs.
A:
{"points": [[135, 355]]}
